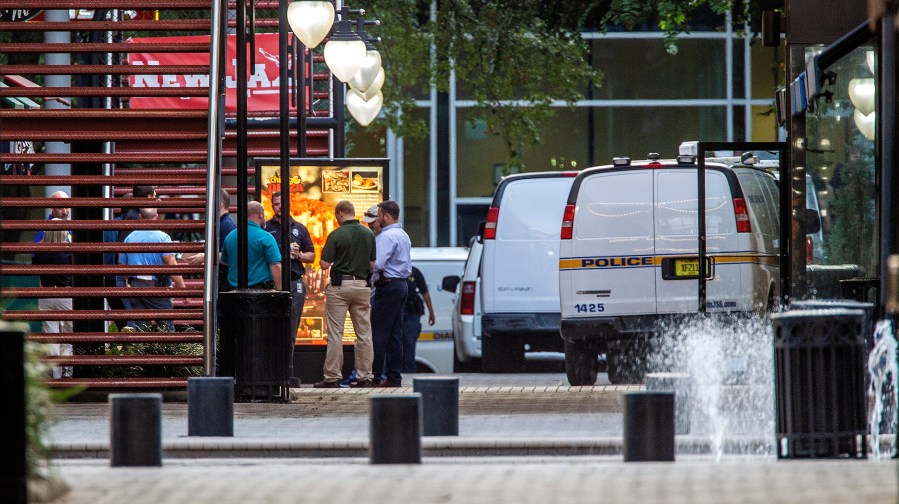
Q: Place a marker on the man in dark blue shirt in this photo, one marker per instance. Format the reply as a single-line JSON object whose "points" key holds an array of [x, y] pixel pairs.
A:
{"points": [[301, 251]]}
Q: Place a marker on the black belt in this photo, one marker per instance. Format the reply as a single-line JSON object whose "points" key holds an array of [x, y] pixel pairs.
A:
{"points": [[388, 279], [352, 277]]}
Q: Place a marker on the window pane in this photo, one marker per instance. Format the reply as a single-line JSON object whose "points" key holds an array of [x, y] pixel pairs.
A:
{"points": [[416, 177], [563, 147], [636, 131], [634, 69], [841, 166]]}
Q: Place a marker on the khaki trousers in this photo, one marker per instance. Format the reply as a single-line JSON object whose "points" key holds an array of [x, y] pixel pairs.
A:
{"points": [[57, 326], [353, 296]]}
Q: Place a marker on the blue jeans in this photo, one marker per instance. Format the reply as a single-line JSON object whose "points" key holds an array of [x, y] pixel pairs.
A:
{"points": [[387, 330]]}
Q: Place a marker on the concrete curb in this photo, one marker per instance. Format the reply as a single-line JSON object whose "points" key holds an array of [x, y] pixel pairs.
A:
{"points": [[217, 447]]}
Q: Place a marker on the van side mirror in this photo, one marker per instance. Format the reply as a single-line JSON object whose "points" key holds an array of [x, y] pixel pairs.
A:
{"points": [[450, 283], [812, 221]]}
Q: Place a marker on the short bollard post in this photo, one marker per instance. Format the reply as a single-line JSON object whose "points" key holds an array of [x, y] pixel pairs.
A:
{"points": [[681, 385], [439, 404], [395, 429], [649, 426], [13, 487], [210, 406], [135, 430]]}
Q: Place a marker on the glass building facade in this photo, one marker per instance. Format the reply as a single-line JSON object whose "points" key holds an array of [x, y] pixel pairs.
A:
{"points": [[718, 87]]}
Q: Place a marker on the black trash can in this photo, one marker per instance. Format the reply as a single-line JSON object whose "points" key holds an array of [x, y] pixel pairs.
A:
{"points": [[255, 344], [819, 371]]}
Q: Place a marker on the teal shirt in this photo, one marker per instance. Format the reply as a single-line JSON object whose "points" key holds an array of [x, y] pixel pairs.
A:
{"points": [[262, 250]]}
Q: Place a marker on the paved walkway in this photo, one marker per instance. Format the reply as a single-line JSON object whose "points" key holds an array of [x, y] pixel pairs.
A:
{"points": [[477, 480], [516, 444]]}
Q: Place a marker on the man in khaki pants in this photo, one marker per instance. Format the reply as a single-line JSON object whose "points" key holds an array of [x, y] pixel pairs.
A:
{"points": [[349, 253]]}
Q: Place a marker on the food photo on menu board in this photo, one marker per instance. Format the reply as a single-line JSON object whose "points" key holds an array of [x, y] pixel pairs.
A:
{"points": [[315, 186]]}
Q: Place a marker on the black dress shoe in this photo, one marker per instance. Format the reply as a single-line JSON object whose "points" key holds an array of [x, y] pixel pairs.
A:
{"points": [[327, 384], [388, 384], [362, 384]]}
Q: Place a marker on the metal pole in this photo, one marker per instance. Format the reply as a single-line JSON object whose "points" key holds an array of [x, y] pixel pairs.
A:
{"points": [[284, 116], [213, 182], [242, 255], [886, 137]]}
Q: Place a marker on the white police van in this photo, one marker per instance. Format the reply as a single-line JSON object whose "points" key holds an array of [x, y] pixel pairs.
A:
{"points": [[629, 254]]}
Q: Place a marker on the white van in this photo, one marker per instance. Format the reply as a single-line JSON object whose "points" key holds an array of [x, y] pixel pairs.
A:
{"points": [[434, 350], [628, 257], [519, 276], [467, 309]]}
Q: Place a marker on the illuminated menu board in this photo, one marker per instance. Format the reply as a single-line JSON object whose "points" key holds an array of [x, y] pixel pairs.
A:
{"points": [[316, 185]]}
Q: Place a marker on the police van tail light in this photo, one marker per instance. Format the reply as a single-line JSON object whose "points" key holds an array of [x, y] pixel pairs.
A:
{"points": [[742, 214], [809, 250], [467, 307], [567, 222], [490, 226]]}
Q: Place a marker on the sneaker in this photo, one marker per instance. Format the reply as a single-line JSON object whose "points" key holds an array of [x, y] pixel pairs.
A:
{"points": [[327, 384], [362, 384]]}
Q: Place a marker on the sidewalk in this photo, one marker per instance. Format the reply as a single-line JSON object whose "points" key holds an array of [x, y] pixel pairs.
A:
{"points": [[516, 444], [335, 423]]}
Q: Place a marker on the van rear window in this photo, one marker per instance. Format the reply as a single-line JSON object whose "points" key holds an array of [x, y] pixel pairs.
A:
{"points": [[531, 209], [678, 201], [615, 205]]}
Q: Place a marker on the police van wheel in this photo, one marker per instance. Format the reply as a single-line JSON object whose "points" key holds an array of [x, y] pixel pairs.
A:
{"points": [[581, 362]]}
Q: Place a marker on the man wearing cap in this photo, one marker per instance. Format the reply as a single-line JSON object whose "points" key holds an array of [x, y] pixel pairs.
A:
{"points": [[392, 266], [301, 251], [371, 218], [349, 254]]}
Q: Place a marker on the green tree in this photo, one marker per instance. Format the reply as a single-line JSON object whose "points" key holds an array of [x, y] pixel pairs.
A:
{"points": [[513, 57]]}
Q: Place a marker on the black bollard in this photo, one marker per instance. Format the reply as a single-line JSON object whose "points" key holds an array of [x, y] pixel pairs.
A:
{"points": [[135, 430], [649, 426], [210, 406], [439, 403], [681, 385], [395, 429], [13, 488]]}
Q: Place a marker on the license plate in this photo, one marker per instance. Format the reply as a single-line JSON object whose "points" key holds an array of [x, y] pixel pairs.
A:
{"points": [[686, 268], [682, 268]]}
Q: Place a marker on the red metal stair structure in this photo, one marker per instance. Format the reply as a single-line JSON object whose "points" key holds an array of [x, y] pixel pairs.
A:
{"points": [[114, 148]]}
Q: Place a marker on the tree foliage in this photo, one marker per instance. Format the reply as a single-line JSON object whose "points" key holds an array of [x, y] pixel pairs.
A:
{"points": [[513, 58]]}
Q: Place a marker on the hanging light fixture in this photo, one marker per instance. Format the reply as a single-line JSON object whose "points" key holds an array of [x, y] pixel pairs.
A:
{"points": [[363, 111], [374, 88], [371, 64], [310, 20], [861, 93], [345, 50]]}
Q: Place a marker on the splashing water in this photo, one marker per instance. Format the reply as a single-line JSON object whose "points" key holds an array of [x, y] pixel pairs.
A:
{"points": [[730, 362], [882, 392]]}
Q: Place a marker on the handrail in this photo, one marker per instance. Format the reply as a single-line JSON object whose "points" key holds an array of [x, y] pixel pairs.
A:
{"points": [[213, 183]]}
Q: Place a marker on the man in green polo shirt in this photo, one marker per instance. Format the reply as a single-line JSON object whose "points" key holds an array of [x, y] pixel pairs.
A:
{"points": [[349, 253], [263, 256]]}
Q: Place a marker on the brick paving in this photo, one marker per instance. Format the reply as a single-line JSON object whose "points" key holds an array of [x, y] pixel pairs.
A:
{"points": [[516, 444], [476, 480]]}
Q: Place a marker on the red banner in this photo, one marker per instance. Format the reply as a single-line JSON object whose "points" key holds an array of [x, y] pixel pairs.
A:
{"points": [[263, 85]]}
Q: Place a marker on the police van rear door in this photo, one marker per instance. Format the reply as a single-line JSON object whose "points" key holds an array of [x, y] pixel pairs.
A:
{"points": [[612, 246]]}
